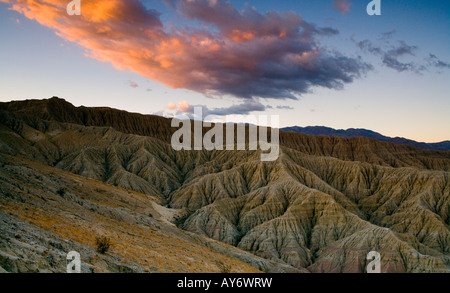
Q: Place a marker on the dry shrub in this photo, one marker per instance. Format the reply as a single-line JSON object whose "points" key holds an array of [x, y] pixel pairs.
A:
{"points": [[223, 267], [103, 244]]}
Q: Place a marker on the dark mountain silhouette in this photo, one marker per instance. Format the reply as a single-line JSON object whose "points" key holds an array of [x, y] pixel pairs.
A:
{"points": [[360, 132]]}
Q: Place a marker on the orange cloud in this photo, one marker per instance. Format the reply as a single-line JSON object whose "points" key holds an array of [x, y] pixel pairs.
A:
{"points": [[171, 106], [239, 36], [342, 5], [183, 106], [249, 56]]}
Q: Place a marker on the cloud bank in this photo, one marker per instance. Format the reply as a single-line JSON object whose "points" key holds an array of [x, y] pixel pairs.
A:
{"points": [[245, 54], [244, 108], [391, 55]]}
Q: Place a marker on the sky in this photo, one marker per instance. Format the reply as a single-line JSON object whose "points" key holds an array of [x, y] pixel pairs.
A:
{"points": [[312, 62]]}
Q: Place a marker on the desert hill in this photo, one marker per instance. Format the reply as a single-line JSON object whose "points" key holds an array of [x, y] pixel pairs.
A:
{"points": [[38, 114], [321, 207]]}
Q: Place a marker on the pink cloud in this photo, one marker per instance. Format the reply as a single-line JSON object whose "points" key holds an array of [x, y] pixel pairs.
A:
{"points": [[171, 106], [249, 54], [133, 84], [342, 5], [184, 106]]}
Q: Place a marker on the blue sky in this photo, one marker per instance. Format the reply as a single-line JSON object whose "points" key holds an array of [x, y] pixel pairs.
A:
{"points": [[409, 99]]}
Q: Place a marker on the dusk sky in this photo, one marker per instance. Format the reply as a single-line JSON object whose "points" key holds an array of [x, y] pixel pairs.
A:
{"points": [[313, 62]]}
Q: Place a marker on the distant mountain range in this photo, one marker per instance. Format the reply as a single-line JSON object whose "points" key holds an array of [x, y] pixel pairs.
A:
{"points": [[356, 132]]}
